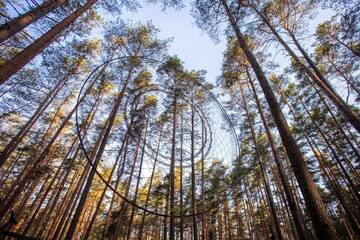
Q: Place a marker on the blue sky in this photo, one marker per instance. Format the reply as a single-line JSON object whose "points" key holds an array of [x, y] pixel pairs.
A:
{"points": [[192, 45]]}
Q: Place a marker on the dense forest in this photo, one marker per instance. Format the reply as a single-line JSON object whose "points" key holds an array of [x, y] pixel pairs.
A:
{"points": [[106, 135]]}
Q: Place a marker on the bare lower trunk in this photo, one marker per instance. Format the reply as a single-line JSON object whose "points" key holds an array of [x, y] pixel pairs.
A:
{"points": [[181, 179], [172, 170]]}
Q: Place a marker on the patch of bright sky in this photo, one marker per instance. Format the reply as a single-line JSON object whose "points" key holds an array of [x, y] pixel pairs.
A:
{"points": [[189, 43], [193, 46]]}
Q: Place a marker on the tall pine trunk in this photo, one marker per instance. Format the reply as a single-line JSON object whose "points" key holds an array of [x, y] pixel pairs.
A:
{"points": [[323, 224], [150, 185], [172, 169], [181, 177], [193, 188], [133, 209], [296, 212]]}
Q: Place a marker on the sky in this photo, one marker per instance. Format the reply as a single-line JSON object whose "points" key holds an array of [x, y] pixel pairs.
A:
{"points": [[193, 46], [190, 44]]}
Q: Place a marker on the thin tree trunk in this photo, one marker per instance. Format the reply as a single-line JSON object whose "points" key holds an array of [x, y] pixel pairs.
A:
{"points": [[124, 144], [172, 168], [347, 112], [70, 204], [274, 216], [97, 159], [263, 201], [181, 178], [203, 219], [123, 209], [42, 218], [239, 220], [10, 169], [32, 216], [11, 146], [356, 152], [118, 177], [120, 172], [227, 222], [165, 231], [138, 181], [193, 189], [33, 163], [93, 218], [21, 220], [332, 180], [150, 185], [348, 207], [337, 159], [252, 226], [349, 81]]}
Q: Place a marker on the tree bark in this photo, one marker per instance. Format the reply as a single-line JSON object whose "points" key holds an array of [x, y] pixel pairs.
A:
{"points": [[9, 29], [26, 55], [296, 212], [172, 168], [193, 188], [181, 178], [274, 216], [318, 78], [323, 224]]}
